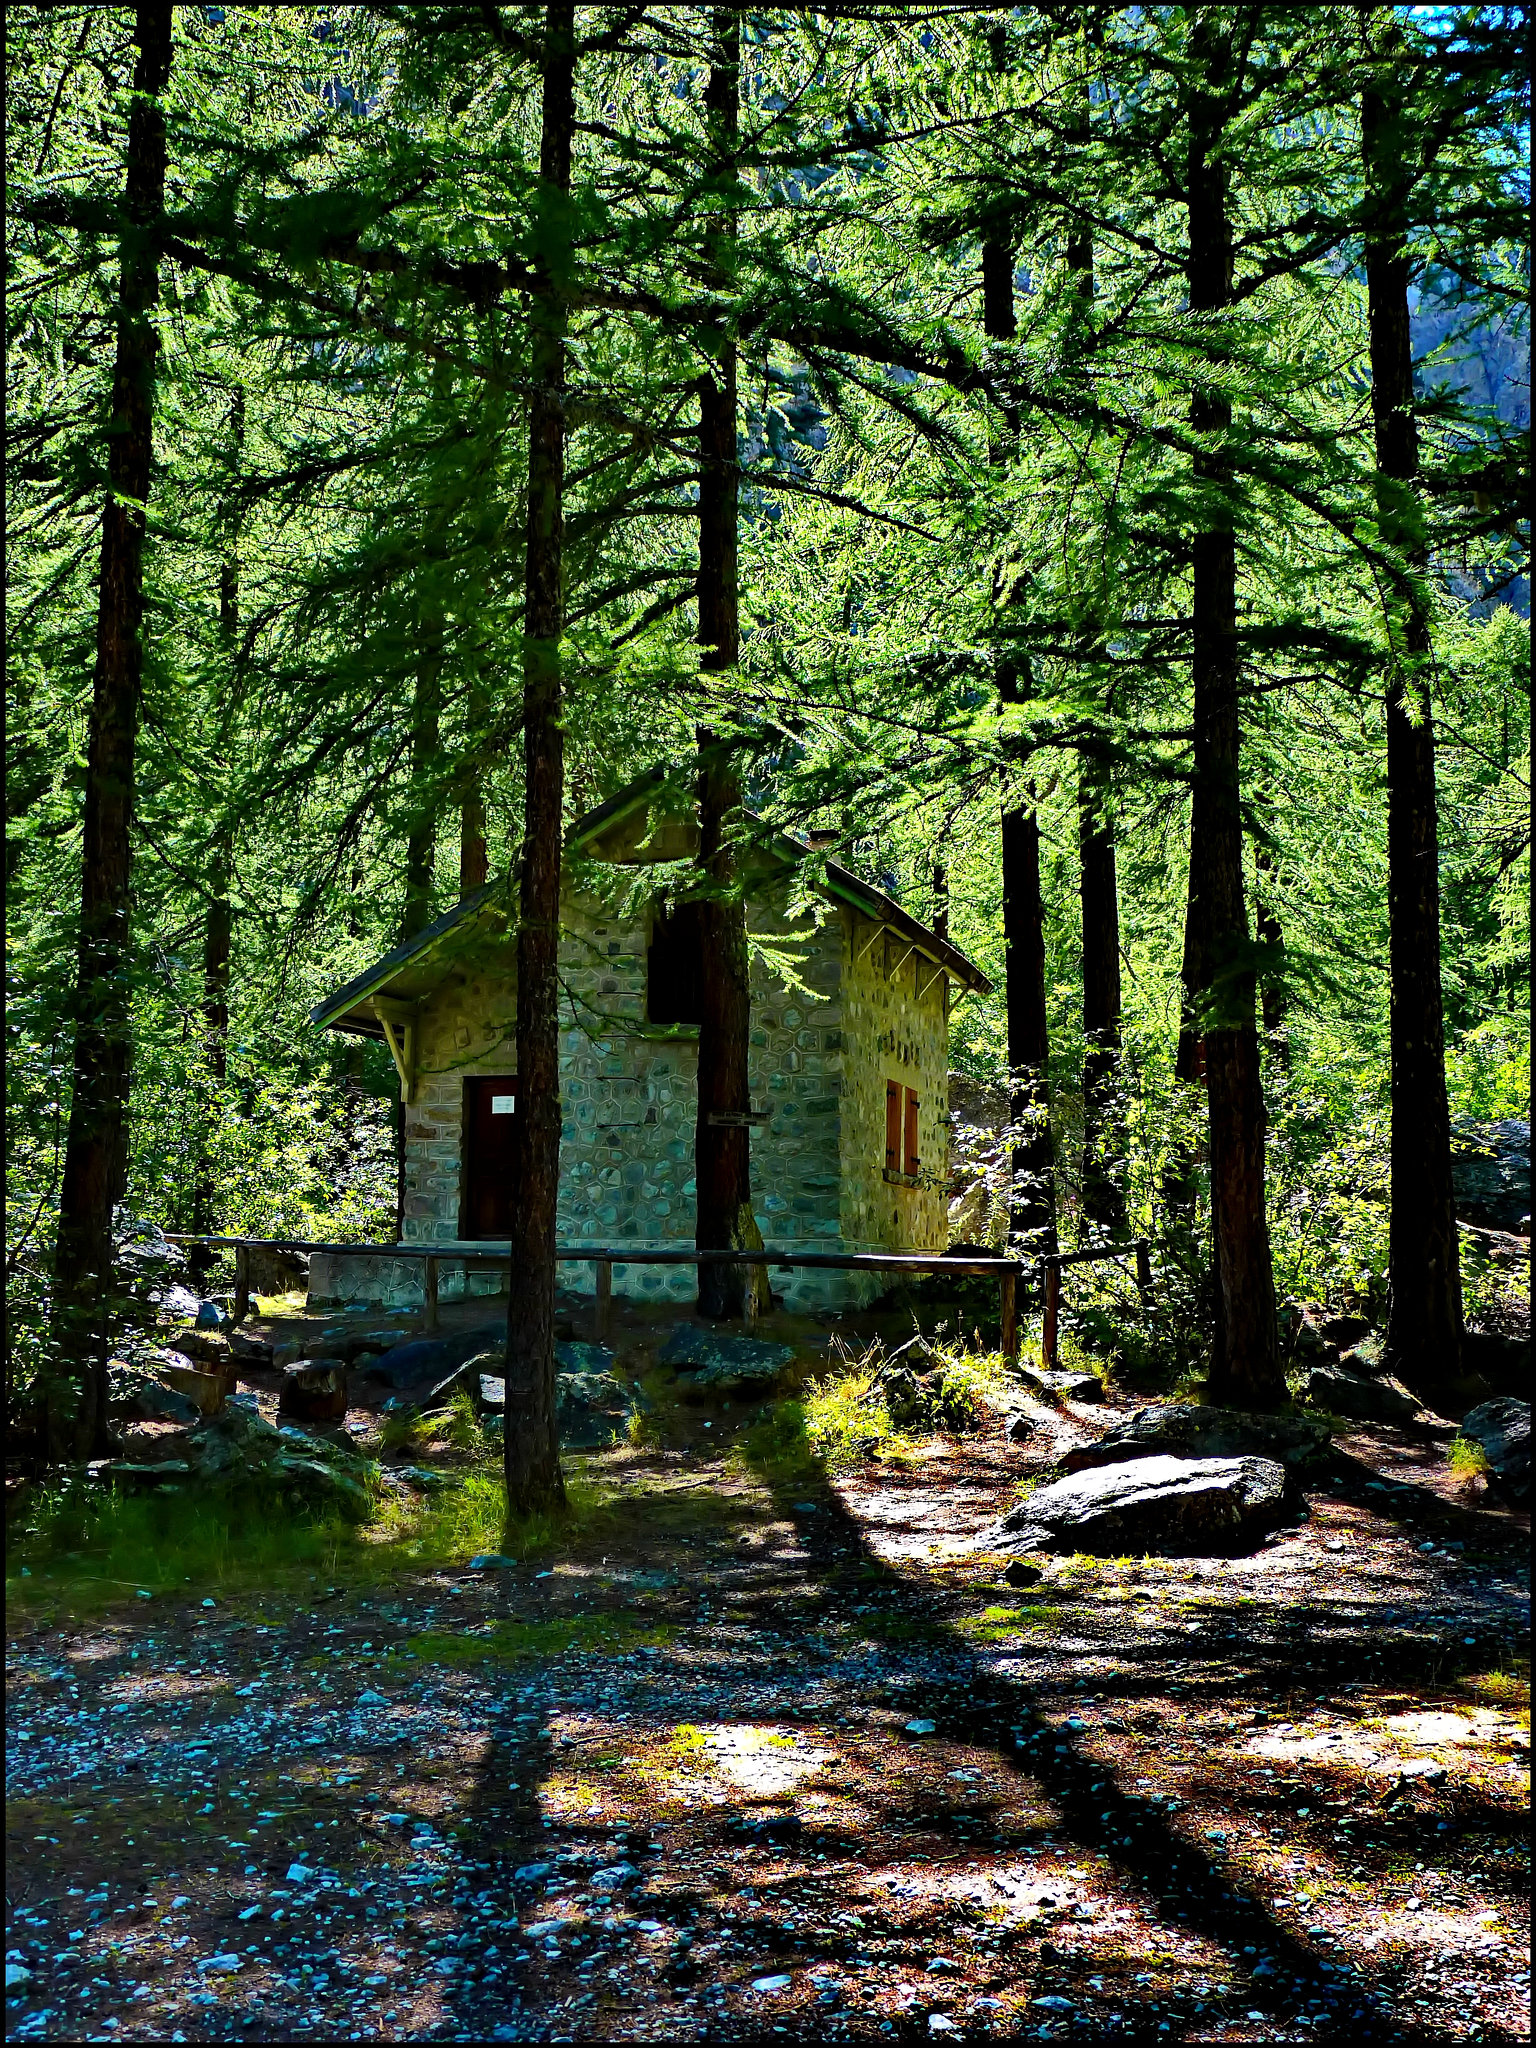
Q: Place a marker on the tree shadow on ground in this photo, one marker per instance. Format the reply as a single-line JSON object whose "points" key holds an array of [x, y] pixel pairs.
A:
{"points": [[934, 1668]]}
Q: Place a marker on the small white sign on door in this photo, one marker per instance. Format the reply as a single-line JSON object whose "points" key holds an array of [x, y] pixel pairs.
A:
{"points": [[503, 1105]]}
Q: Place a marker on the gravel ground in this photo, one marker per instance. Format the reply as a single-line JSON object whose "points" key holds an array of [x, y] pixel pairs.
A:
{"points": [[752, 1758]]}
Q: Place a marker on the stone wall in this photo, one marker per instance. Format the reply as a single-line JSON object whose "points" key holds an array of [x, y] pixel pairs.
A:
{"points": [[629, 1096], [469, 1027], [897, 1029]]}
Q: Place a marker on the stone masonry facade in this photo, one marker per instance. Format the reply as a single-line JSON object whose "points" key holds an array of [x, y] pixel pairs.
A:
{"points": [[819, 1062]]}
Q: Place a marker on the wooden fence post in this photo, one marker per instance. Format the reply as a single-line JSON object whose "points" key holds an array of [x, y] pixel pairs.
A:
{"points": [[1048, 1329], [242, 1304], [429, 1291], [604, 1295], [1008, 1288], [1008, 1301]]}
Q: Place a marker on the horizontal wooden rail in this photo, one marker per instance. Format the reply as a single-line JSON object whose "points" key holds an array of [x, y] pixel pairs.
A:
{"points": [[606, 1257], [493, 1252]]}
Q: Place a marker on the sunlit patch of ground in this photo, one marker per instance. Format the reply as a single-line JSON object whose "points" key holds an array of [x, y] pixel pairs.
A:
{"points": [[625, 1790]]}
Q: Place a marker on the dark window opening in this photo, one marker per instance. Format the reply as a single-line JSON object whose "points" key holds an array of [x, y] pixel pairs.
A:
{"points": [[672, 967], [893, 1126]]}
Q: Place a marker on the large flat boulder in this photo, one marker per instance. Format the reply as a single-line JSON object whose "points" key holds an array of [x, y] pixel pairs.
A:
{"points": [[724, 1365], [1183, 1430], [1503, 1429], [424, 1360], [1178, 1507], [1349, 1393], [1062, 1386]]}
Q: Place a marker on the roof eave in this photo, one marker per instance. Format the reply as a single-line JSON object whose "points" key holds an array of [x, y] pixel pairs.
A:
{"points": [[420, 946]]}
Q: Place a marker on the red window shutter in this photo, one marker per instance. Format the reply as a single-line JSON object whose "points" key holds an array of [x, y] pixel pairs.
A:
{"points": [[912, 1156], [893, 1125]]}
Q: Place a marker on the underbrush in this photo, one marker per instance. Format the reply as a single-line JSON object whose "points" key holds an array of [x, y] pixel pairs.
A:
{"points": [[456, 1426], [866, 1413], [847, 1422], [88, 1547]]}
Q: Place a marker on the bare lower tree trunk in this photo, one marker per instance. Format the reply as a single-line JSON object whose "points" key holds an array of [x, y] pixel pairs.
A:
{"points": [[1245, 1367], [1103, 1118], [1033, 1208], [722, 1145], [1266, 924], [421, 831], [474, 860], [534, 1478], [96, 1148], [940, 918], [219, 928], [1424, 1325]]}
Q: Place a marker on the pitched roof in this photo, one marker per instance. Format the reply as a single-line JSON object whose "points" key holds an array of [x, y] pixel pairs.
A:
{"points": [[423, 958]]}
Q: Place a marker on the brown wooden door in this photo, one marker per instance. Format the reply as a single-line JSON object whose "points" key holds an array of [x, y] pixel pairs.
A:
{"points": [[490, 1107]]}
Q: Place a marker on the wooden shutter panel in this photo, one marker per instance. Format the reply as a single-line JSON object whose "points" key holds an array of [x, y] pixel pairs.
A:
{"points": [[893, 1126], [912, 1155]]}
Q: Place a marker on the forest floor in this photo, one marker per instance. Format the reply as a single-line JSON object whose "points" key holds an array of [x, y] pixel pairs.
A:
{"points": [[752, 1751]]}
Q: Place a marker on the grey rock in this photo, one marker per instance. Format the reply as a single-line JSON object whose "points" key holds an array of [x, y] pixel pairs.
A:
{"points": [[1346, 1393], [1184, 1430], [1022, 1428], [1062, 1386], [250, 1349], [235, 1439], [1491, 1172], [1503, 1429], [138, 1396], [917, 1355], [1345, 1331], [724, 1365], [1309, 1341], [314, 1390], [210, 1316], [424, 1361], [1364, 1360], [1167, 1506], [592, 1406], [903, 1397]]}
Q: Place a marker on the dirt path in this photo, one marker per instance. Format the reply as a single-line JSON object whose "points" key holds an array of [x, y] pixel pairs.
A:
{"points": [[677, 1778]]}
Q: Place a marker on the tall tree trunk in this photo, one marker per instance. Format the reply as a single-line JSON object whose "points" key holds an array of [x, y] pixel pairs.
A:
{"points": [[421, 830], [1424, 1325], [1033, 1209], [96, 1148], [219, 927], [940, 918], [533, 1473], [1266, 924], [1103, 1121], [1103, 1118], [1221, 991], [722, 1150], [474, 860]]}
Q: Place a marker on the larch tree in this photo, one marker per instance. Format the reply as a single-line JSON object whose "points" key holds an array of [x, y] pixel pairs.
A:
{"points": [[532, 1449], [722, 1142], [1220, 986], [1424, 1324], [96, 1148]]}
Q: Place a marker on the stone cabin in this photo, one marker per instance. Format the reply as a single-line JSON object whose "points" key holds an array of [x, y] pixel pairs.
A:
{"points": [[848, 1072]]}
